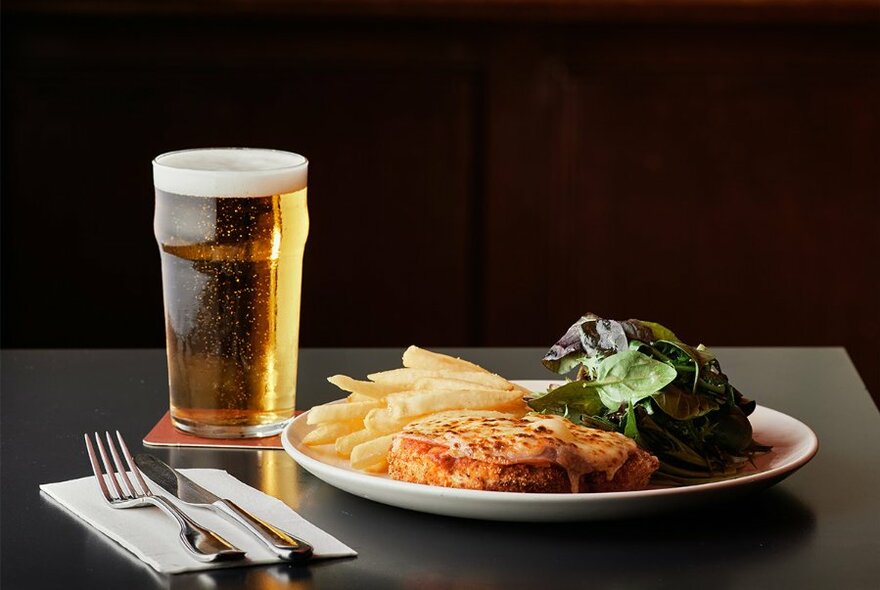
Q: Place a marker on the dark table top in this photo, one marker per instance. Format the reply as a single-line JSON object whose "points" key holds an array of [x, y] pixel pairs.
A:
{"points": [[818, 528]]}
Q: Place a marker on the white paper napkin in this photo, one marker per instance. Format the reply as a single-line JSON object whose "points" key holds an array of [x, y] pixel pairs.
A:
{"points": [[152, 536]]}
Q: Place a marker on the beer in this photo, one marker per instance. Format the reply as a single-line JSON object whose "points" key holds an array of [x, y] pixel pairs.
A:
{"points": [[231, 227]]}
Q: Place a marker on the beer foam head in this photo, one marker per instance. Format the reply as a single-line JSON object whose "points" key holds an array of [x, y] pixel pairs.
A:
{"points": [[230, 172]]}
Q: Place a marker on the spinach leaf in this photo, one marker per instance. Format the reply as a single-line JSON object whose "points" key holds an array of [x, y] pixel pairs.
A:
{"points": [[631, 428], [575, 397], [622, 379], [731, 430], [713, 382], [629, 376], [681, 357], [681, 404]]}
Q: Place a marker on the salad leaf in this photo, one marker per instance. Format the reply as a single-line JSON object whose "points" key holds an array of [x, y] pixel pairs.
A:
{"points": [[669, 445], [681, 404], [575, 397], [731, 430], [661, 332], [680, 357], [622, 379], [640, 379], [592, 337], [631, 428], [629, 376]]}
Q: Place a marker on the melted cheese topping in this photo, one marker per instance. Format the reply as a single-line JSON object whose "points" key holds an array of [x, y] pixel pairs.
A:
{"points": [[495, 437]]}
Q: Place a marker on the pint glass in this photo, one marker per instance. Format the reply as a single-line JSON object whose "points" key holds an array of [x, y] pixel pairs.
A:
{"points": [[231, 226]]}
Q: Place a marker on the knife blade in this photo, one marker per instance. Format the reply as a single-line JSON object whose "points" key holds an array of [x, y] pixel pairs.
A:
{"points": [[278, 541]]}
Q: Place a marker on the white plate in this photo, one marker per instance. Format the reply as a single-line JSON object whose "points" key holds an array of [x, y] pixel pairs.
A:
{"points": [[794, 444]]}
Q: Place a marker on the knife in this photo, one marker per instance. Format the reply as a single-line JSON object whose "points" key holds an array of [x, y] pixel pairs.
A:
{"points": [[282, 543]]}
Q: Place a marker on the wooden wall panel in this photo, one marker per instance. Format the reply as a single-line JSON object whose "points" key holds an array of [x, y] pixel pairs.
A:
{"points": [[729, 191], [391, 176]]}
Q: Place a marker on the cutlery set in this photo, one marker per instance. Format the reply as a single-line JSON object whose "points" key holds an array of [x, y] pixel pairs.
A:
{"points": [[201, 543]]}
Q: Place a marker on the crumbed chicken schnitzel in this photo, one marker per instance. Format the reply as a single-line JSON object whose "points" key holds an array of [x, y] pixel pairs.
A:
{"points": [[485, 450]]}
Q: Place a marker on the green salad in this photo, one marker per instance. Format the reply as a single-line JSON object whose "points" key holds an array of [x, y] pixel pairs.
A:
{"points": [[638, 378]]}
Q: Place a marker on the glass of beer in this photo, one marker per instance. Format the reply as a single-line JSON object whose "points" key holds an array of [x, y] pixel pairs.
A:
{"points": [[231, 224]]}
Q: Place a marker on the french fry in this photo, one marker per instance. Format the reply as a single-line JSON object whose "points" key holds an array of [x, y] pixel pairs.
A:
{"points": [[345, 444], [380, 421], [522, 390], [329, 431], [419, 358], [380, 467], [371, 452], [438, 401], [518, 408], [483, 378], [374, 390], [434, 383], [340, 412], [407, 378], [360, 397], [403, 378], [497, 413]]}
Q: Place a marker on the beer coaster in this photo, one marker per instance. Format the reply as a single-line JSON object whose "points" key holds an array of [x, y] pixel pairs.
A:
{"points": [[164, 434]]}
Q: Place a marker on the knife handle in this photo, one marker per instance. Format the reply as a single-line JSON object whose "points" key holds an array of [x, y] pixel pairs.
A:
{"points": [[281, 543]]}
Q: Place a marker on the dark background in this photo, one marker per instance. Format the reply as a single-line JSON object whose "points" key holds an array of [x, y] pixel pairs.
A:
{"points": [[481, 172]]}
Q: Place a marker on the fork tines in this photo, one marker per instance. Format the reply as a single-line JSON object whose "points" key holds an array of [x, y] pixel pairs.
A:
{"points": [[116, 476]]}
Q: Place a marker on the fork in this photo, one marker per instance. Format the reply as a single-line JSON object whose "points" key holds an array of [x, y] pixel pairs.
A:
{"points": [[200, 543]]}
